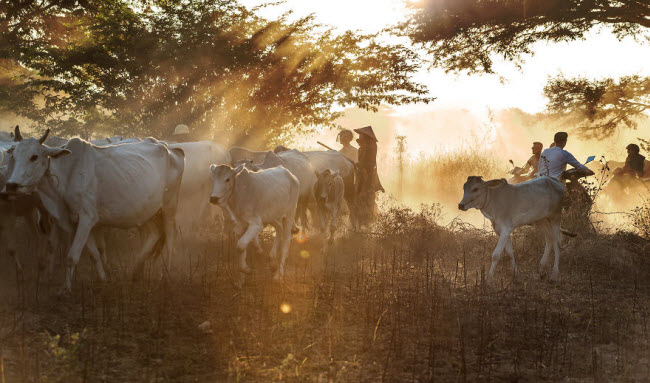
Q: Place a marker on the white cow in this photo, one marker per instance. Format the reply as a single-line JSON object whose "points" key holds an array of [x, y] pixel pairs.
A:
{"points": [[83, 186], [116, 140], [255, 199], [328, 192], [299, 165], [335, 161], [239, 154], [196, 185], [538, 201]]}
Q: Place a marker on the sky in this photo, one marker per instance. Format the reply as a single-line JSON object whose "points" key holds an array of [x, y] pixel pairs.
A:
{"points": [[463, 102], [522, 87]]}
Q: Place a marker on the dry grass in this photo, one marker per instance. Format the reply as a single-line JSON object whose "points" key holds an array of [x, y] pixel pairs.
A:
{"points": [[405, 301]]}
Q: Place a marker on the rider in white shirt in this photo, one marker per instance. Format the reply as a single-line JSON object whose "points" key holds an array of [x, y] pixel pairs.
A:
{"points": [[553, 161]]}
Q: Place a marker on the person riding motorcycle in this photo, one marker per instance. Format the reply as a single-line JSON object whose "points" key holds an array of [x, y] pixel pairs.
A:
{"points": [[634, 162], [553, 161], [633, 169], [529, 171]]}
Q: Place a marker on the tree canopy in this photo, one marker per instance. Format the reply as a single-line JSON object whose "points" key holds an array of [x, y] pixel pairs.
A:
{"points": [[600, 106], [141, 67], [467, 35]]}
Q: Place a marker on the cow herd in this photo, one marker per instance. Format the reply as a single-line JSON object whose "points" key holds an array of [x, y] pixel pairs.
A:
{"points": [[69, 191]]}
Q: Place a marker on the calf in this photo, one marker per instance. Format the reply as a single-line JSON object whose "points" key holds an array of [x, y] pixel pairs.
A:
{"points": [[329, 192], [253, 200], [538, 201]]}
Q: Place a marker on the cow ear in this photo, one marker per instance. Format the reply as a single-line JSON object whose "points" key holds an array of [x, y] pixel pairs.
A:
{"points": [[212, 167], [17, 136], [57, 152]]}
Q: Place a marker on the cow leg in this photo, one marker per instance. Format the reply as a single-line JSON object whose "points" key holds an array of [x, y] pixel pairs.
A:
{"points": [[86, 223], [8, 236], [511, 253], [284, 249], [253, 230], [504, 237], [100, 242], [150, 236], [335, 215], [276, 243], [546, 229], [302, 208], [169, 227], [258, 246], [557, 238], [322, 220], [91, 245]]}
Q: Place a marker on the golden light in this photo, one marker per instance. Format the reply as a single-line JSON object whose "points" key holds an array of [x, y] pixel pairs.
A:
{"points": [[285, 308], [304, 254], [301, 237]]}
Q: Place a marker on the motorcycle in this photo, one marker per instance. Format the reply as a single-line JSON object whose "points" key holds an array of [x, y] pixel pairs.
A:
{"points": [[517, 177]]}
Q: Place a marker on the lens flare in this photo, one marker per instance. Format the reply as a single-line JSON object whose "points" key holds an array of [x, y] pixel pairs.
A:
{"points": [[285, 308], [301, 237], [304, 254]]}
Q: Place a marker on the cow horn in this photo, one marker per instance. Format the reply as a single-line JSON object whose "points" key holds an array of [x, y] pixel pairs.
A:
{"points": [[17, 136], [109, 140], [42, 139]]}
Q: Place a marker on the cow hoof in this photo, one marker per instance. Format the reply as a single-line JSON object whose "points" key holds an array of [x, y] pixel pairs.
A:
{"points": [[63, 292], [239, 282]]}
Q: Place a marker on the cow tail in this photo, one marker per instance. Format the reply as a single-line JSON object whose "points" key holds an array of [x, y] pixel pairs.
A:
{"points": [[568, 233]]}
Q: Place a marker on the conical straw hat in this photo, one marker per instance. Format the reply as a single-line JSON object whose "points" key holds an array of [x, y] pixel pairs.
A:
{"points": [[367, 130]]}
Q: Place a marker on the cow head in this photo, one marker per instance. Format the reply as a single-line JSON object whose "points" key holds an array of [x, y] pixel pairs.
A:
{"points": [[29, 162], [324, 183], [475, 192], [223, 183], [248, 164]]}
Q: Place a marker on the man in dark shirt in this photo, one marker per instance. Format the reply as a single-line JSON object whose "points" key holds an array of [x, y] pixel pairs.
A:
{"points": [[368, 180], [634, 161], [633, 168]]}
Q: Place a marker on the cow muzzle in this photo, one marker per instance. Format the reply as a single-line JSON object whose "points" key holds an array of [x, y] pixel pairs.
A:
{"points": [[214, 200], [461, 206]]}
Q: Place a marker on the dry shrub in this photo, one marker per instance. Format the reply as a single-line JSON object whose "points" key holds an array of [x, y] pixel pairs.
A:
{"points": [[641, 219], [405, 300]]}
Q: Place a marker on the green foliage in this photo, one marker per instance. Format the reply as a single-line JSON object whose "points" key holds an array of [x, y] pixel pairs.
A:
{"points": [[599, 107], [468, 34], [141, 67]]}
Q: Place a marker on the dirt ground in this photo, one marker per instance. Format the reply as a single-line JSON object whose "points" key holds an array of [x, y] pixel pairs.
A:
{"points": [[405, 301]]}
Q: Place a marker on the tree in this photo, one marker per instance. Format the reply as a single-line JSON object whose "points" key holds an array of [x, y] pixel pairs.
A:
{"points": [[467, 35], [141, 67], [600, 106]]}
